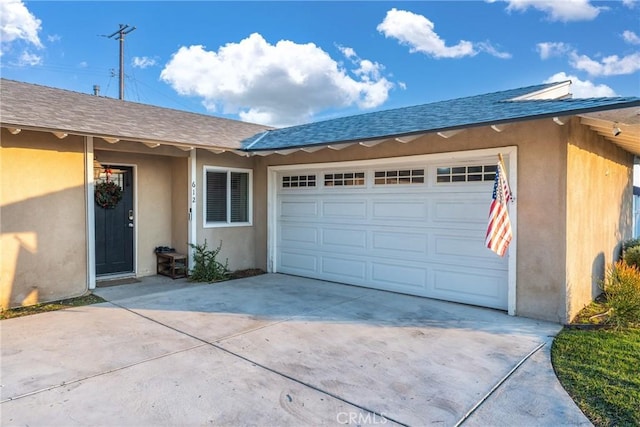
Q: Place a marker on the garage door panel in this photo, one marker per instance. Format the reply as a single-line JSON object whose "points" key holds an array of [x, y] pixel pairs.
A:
{"points": [[400, 241], [399, 210], [343, 209], [470, 287], [344, 237], [296, 262], [464, 212], [299, 234], [462, 247], [300, 209], [344, 267], [406, 278]]}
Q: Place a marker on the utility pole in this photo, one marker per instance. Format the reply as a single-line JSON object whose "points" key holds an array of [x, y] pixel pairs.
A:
{"points": [[124, 29]]}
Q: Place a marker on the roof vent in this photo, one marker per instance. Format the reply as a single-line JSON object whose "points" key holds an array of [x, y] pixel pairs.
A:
{"points": [[555, 91]]}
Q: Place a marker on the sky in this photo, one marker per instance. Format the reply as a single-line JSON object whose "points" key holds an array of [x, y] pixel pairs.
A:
{"points": [[286, 63]]}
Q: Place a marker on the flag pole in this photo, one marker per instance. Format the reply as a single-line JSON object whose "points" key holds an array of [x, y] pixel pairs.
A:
{"points": [[504, 169]]}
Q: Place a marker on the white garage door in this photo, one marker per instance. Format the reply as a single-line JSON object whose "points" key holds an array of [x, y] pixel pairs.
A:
{"points": [[415, 227]]}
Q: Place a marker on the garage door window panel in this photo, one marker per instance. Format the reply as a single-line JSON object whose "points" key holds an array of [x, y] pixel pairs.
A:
{"points": [[345, 179], [299, 181], [227, 197], [399, 176], [455, 174]]}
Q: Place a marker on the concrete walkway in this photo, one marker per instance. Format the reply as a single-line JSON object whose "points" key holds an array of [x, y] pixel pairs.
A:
{"points": [[276, 350]]}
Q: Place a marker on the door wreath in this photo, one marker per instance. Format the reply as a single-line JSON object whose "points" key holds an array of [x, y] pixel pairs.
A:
{"points": [[108, 194]]}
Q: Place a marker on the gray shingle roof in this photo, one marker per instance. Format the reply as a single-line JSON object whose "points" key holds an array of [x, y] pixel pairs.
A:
{"points": [[25, 105], [29, 106], [492, 108]]}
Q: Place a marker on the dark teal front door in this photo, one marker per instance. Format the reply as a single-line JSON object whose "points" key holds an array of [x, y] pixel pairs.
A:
{"points": [[115, 225]]}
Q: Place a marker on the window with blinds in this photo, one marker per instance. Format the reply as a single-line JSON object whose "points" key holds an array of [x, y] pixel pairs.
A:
{"points": [[227, 197], [239, 197]]}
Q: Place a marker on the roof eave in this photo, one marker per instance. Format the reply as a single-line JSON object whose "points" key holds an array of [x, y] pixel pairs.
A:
{"points": [[112, 138]]}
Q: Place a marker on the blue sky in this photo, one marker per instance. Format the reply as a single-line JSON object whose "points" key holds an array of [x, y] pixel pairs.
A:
{"points": [[283, 63]]}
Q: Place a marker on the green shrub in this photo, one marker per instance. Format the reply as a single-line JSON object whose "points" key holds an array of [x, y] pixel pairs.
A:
{"points": [[622, 290], [632, 256], [628, 244], [206, 268]]}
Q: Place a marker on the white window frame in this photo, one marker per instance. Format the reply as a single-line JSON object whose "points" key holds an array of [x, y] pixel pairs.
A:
{"points": [[227, 223]]}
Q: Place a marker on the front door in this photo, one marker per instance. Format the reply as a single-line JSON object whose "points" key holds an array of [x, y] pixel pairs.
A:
{"points": [[114, 221]]}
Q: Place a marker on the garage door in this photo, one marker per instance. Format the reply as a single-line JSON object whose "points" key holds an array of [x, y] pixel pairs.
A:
{"points": [[413, 227]]}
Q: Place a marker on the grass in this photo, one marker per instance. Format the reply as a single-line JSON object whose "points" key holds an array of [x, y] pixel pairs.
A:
{"points": [[594, 313], [50, 306], [600, 368]]}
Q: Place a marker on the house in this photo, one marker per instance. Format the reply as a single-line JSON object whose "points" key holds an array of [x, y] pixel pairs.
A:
{"points": [[394, 200]]}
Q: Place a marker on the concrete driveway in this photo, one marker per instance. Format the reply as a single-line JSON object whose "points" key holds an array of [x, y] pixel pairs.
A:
{"points": [[278, 350]]}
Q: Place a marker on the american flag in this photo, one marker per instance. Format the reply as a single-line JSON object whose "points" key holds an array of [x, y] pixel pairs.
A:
{"points": [[499, 231]]}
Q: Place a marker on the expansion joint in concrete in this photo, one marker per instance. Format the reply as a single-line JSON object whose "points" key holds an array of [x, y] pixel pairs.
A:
{"points": [[497, 385]]}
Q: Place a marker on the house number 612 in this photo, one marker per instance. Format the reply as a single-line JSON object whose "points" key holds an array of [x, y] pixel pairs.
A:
{"points": [[193, 192]]}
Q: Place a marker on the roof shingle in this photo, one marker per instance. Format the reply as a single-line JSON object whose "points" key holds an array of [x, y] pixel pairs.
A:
{"points": [[492, 108], [26, 105]]}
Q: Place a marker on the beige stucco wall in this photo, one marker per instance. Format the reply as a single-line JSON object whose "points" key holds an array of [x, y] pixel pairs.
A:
{"points": [[153, 197], [540, 280], [43, 251], [238, 242], [180, 204], [599, 212]]}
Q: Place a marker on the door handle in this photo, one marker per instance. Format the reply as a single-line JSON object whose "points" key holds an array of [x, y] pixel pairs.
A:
{"points": [[130, 225]]}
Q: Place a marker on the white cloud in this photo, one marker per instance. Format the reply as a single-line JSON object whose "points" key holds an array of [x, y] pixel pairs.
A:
{"points": [[54, 38], [143, 62], [630, 3], [630, 37], [29, 59], [612, 65], [608, 66], [83, 64], [282, 84], [557, 10], [418, 33], [551, 49], [18, 23], [492, 50], [582, 89], [347, 51]]}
